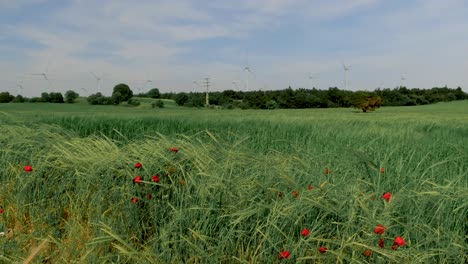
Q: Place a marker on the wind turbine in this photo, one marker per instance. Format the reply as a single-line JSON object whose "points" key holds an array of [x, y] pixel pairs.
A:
{"points": [[247, 73], [98, 81], [346, 69], [235, 84], [310, 78], [150, 82], [195, 87], [403, 79], [20, 87], [43, 74]]}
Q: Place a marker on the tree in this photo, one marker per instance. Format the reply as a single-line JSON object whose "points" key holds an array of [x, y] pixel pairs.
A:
{"points": [[6, 97], [154, 93], [70, 96], [367, 102], [45, 97], [124, 90], [116, 98], [56, 98], [18, 99], [181, 98]]}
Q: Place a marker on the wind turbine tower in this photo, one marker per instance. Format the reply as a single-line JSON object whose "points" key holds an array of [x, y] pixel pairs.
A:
{"points": [[248, 72], [310, 78], [403, 79], [98, 82], [20, 89], [196, 87], [346, 69]]}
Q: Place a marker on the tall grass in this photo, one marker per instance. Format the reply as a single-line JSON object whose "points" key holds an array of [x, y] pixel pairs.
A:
{"points": [[218, 202]]}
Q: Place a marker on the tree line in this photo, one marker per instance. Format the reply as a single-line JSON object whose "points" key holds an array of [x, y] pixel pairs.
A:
{"points": [[53, 97], [272, 99], [314, 98]]}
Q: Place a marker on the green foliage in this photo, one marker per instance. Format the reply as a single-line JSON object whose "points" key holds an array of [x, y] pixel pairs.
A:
{"points": [[313, 98], [121, 93], [45, 97], [158, 104], [154, 93], [99, 99], [70, 96], [19, 99], [181, 98], [133, 102], [6, 97], [271, 104], [56, 98]]}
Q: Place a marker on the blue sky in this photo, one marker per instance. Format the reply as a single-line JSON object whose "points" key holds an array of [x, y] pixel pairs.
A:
{"points": [[174, 43]]}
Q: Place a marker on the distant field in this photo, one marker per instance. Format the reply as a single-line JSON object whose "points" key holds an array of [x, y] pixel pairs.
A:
{"points": [[218, 199]]}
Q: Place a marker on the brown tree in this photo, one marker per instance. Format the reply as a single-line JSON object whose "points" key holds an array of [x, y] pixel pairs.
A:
{"points": [[367, 102]]}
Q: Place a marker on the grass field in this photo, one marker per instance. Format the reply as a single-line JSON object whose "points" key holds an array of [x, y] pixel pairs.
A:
{"points": [[241, 188]]}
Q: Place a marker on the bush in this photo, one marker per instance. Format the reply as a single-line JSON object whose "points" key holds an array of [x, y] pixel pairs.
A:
{"points": [[99, 99], [133, 102], [272, 104], [158, 104]]}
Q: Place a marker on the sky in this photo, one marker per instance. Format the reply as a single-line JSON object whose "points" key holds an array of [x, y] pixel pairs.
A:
{"points": [[175, 44]]}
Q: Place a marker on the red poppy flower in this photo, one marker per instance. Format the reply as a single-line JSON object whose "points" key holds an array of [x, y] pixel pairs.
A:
{"points": [[381, 243], [305, 232], [399, 241], [134, 200], [326, 171], [148, 196], [174, 149], [295, 194], [284, 254], [28, 168], [1, 211], [137, 179], [387, 196], [309, 187], [322, 249], [382, 170], [155, 178], [379, 229], [367, 253], [137, 165]]}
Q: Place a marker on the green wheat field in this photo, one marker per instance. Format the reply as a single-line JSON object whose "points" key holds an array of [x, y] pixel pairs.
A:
{"points": [[233, 186]]}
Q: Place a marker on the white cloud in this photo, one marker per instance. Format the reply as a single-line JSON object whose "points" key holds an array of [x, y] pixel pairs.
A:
{"points": [[159, 40]]}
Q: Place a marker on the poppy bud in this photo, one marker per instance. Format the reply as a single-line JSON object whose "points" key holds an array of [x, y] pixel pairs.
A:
{"points": [[379, 229]]}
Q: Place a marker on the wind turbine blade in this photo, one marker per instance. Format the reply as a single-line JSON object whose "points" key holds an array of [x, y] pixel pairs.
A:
{"points": [[94, 75]]}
